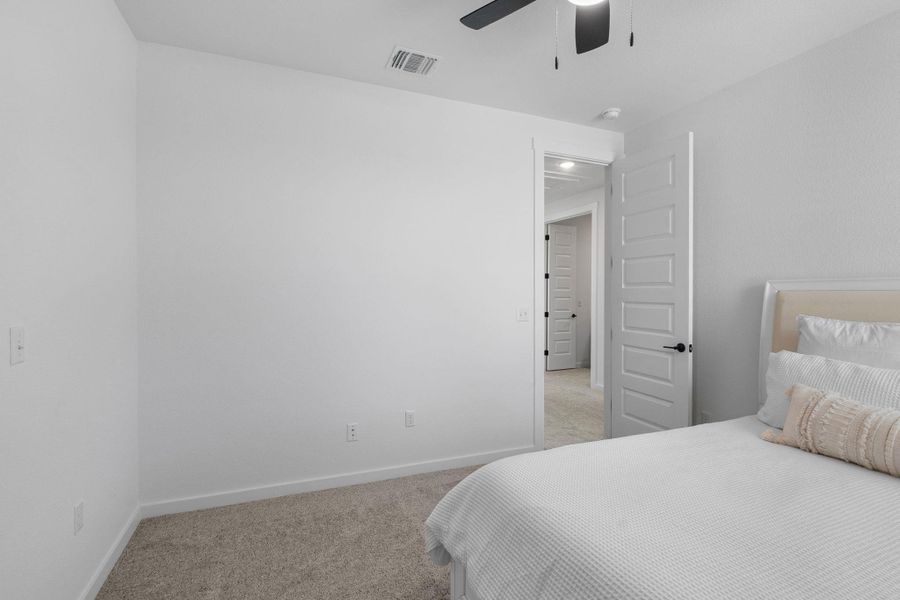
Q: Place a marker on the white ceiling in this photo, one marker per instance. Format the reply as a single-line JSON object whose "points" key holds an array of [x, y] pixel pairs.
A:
{"points": [[684, 51], [561, 183]]}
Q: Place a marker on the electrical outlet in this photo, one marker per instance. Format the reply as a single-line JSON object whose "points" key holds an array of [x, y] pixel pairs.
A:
{"points": [[352, 432], [523, 314], [16, 345], [79, 517], [410, 418]]}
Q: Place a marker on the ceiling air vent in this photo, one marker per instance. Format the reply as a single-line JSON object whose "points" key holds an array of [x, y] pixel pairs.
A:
{"points": [[412, 61]]}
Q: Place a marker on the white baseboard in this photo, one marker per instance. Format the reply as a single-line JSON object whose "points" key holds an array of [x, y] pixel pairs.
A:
{"points": [[168, 507], [112, 555], [597, 386]]}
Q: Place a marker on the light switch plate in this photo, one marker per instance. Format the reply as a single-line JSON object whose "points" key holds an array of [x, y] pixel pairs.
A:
{"points": [[79, 517], [16, 345]]}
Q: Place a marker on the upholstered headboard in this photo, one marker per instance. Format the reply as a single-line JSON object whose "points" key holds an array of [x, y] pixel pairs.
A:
{"points": [[849, 299]]}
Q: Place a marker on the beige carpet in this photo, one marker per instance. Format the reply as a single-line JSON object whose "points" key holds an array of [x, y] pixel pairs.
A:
{"points": [[355, 543], [573, 412]]}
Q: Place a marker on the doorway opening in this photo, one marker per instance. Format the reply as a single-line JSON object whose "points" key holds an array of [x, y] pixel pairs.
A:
{"points": [[574, 250]]}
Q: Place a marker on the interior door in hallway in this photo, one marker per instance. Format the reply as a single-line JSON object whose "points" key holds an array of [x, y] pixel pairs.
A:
{"points": [[561, 297]]}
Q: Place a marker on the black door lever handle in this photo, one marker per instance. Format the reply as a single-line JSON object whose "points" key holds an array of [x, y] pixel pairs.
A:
{"points": [[679, 347]]}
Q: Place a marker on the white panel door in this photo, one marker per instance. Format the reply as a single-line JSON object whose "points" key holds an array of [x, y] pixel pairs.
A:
{"points": [[561, 297], [651, 289]]}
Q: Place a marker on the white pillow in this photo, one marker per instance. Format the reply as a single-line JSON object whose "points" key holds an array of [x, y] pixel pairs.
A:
{"points": [[866, 385], [872, 344]]}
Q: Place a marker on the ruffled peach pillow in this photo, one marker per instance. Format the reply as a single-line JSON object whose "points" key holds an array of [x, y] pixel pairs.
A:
{"points": [[826, 423]]}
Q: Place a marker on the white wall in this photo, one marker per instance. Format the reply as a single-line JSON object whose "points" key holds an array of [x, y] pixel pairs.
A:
{"points": [[568, 204], [68, 261], [796, 176], [249, 293], [583, 263]]}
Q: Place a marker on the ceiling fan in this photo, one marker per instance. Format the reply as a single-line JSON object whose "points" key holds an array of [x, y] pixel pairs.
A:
{"points": [[591, 20]]}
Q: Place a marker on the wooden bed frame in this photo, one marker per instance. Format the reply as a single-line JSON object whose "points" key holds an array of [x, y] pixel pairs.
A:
{"points": [[458, 582], [848, 299]]}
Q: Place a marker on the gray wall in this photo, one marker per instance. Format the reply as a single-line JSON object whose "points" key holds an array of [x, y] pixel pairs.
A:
{"points": [[797, 175], [249, 293], [68, 274]]}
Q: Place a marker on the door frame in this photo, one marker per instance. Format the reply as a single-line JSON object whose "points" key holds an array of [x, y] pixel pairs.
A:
{"points": [[597, 154], [592, 209]]}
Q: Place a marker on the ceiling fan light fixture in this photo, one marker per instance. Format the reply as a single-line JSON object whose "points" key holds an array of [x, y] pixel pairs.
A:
{"points": [[592, 20]]}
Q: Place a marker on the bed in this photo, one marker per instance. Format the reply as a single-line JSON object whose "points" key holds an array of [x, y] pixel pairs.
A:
{"points": [[705, 512]]}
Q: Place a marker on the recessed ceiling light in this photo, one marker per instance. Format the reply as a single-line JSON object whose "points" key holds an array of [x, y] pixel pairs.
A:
{"points": [[568, 164], [585, 2]]}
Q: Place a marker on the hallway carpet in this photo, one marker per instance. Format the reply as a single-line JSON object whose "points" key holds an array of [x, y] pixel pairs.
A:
{"points": [[573, 412]]}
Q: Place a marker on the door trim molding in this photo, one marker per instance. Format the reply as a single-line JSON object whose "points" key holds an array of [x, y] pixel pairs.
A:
{"points": [[596, 153], [598, 302], [571, 213]]}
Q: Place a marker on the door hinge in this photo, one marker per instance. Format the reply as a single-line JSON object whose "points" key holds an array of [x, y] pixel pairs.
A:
{"points": [[546, 353], [690, 347], [546, 275], [610, 262], [546, 315], [610, 335], [547, 238]]}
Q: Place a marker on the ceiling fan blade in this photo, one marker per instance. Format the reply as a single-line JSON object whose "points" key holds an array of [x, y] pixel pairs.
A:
{"points": [[591, 26], [493, 11]]}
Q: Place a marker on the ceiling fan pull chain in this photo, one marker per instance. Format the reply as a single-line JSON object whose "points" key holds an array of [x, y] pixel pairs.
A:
{"points": [[556, 39], [631, 23]]}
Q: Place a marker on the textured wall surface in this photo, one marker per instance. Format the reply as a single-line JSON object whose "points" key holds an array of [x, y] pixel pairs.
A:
{"points": [[68, 274], [314, 252], [796, 176]]}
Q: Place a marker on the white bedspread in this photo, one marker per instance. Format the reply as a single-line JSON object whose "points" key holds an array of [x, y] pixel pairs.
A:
{"points": [[707, 512]]}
